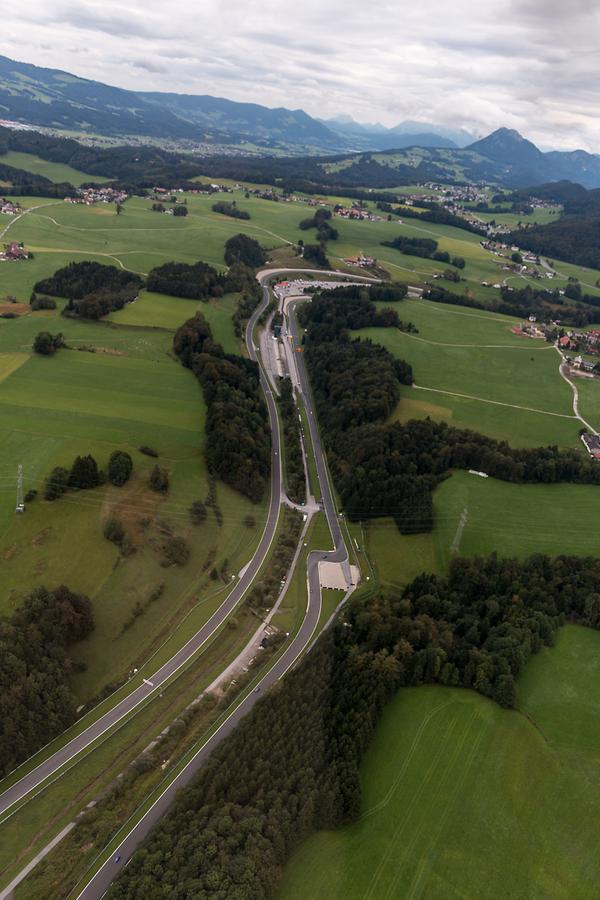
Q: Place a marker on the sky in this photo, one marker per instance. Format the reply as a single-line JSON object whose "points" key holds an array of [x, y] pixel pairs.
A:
{"points": [[532, 65]]}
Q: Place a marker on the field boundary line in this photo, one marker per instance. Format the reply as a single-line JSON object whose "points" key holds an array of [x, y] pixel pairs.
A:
{"points": [[544, 412]]}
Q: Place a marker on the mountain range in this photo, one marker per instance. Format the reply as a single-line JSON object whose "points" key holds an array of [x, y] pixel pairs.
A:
{"points": [[406, 134], [55, 99], [376, 156]]}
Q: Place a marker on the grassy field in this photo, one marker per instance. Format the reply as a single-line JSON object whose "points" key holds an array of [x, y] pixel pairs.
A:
{"points": [[462, 799], [472, 371], [510, 519], [159, 311], [128, 393], [57, 172], [140, 239]]}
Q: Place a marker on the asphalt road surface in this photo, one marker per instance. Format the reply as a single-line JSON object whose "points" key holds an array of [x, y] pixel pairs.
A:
{"points": [[100, 882], [153, 683]]}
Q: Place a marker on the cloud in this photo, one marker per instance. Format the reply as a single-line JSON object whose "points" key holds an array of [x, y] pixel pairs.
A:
{"points": [[522, 63]]}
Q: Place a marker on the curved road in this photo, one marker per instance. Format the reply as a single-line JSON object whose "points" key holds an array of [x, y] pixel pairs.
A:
{"points": [[101, 880], [153, 684]]}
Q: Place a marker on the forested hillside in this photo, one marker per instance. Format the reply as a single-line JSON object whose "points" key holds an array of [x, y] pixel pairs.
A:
{"points": [[292, 765]]}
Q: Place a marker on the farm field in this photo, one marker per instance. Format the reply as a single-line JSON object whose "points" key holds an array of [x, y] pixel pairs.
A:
{"points": [[462, 799], [473, 372], [510, 519], [128, 393], [539, 216], [140, 239], [57, 172], [160, 311]]}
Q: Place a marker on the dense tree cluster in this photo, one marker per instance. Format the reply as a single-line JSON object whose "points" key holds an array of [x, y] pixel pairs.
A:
{"points": [[240, 248], [574, 238], [230, 209], [383, 469], [238, 441], [545, 304], [47, 344], [438, 215], [36, 702], [92, 289], [426, 248], [83, 474], [294, 462], [292, 765], [321, 221], [317, 255], [198, 281]]}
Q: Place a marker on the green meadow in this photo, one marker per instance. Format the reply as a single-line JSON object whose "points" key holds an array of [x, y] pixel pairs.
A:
{"points": [[127, 393], [140, 239], [473, 372], [479, 375], [463, 800], [57, 172], [159, 311], [510, 519]]}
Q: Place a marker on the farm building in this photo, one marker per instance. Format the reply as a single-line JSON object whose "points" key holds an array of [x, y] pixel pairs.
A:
{"points": [[592, 444]]}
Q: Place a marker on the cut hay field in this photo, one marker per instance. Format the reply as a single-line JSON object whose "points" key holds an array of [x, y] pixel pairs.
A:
{"points": [[465, 801], [57, 172], [473, 372], [129, 392]]}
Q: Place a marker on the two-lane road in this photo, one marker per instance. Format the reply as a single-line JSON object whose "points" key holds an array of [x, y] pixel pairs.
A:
{"points": [[132, 838], [153, 683]]}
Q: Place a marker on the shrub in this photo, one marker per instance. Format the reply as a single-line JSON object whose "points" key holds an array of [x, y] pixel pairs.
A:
{"points": [[198, 512], [56, 483], [30, 495], [147, 451], [159, 480], [176, 550], [114, 531], [120, 466]]}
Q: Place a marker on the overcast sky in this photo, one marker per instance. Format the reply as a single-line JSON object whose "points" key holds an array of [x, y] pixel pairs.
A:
{"points": [[533, 65]]}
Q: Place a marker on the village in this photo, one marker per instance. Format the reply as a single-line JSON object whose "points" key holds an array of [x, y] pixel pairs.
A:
{"points": [[90, 195]]}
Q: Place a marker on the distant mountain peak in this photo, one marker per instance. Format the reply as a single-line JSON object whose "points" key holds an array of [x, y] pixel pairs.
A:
{"points": [[506, 145]]}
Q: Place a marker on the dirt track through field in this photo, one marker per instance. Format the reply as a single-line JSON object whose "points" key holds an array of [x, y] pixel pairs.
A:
{"points": [[543, 412]]}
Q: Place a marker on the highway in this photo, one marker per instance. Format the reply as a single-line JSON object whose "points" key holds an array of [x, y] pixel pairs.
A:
{"points": [[153, 683], [101, 880], [34, 781]]}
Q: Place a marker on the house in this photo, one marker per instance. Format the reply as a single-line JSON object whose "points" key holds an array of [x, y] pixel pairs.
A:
{"points": [[15, 250], [564, 341], [592, 444]]}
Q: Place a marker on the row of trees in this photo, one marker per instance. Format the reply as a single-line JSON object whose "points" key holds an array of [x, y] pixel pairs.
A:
{"points": [[36, 702], [425, 248], [197, 281], [294, 461], [238, 441], [292, 765], [230, 209], [85, 474]]}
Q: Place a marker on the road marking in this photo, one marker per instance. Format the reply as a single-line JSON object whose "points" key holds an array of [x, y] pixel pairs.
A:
{"points": [[146, 681]]}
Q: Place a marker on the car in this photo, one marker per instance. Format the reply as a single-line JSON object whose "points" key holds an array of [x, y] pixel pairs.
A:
{"points": [[117, 858]]}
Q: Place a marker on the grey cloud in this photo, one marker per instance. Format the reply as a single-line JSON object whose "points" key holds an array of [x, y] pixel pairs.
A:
{"points": [[528, 64]]}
